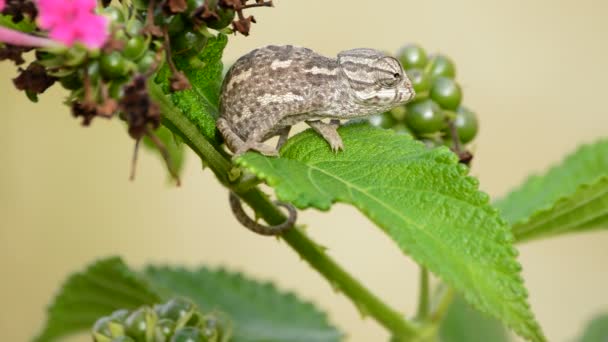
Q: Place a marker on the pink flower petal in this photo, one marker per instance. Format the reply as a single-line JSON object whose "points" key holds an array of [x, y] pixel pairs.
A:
{"points": [[2, 4], [70, 21]]}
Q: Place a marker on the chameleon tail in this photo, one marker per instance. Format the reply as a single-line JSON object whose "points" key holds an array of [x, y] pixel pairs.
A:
{"points": [[241, 216]]}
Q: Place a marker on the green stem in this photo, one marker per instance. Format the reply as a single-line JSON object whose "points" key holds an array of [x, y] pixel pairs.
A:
{"points": [[442, 306], [424, 296], [314, 255]]}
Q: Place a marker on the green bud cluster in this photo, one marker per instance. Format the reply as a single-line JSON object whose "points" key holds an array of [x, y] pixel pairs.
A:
{"points": [[177, 320], [437, 103]]}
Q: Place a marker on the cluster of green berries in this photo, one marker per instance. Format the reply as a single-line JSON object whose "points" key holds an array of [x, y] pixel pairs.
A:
{"points": [[177, 320], [437, 105]]}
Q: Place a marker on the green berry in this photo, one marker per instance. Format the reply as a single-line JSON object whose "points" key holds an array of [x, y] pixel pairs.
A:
{"points": [[402, 129], [135, 48], [440, 65], [114, 14], [384, 120], [176, 24], [424, 117], [420, 81], [226, 15], [140, 323], [119, 315], [187, 334], [146, 62], [412, 56], [188, 43], [113, 65], [466, 124], [194, 4], [134, 27], [175, 309], [164, 327], [108, 327], [446, 92]]}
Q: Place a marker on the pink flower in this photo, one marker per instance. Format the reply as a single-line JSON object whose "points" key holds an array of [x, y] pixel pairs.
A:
{"points": [[70, 21], [2, 4]]}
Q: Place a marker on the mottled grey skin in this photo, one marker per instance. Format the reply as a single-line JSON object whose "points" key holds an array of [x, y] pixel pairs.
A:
{"points": [[274, 87]]}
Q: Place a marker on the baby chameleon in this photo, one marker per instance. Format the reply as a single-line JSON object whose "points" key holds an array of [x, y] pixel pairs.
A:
{"points": [[274, 87]]}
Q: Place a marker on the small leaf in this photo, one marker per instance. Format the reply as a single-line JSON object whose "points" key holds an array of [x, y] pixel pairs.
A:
{"points": [[596, 330], [259, 311], [24, 25], [421, 198], [200, 103], [463, 323], [569, 197], [105, 286], [174, 146]]}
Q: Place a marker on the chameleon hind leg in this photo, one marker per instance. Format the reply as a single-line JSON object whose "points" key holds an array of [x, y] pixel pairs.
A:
{"points": [[329, 132], [283, 135], [237, 145]]}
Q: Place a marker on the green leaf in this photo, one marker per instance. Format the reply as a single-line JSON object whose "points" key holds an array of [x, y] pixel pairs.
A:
{"points": [[104, 286], [174, 146], [24, 25], [200, 103], [421, 198], [463, 323], [569, 197], [259, 311], [596, 330]]}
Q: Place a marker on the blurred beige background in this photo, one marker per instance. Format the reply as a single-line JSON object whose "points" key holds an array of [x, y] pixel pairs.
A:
{"points": [[535, 71]]}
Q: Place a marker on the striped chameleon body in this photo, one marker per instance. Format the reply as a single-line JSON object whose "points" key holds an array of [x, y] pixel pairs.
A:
{"points": [[274, 87]]}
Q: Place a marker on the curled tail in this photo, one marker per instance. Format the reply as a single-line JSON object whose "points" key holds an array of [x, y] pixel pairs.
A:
{"points": [[241, 216]]}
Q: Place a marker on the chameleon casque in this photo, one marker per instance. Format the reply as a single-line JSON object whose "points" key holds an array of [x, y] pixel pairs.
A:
{"points": [[274, 87]]}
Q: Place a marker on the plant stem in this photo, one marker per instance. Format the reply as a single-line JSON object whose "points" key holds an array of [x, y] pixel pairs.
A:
{"points": [[442, 306], [19, 38], [424, 295], [314, 255]]}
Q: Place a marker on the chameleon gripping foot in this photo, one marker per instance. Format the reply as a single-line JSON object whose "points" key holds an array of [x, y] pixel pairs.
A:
{"points": [[241, 216]]}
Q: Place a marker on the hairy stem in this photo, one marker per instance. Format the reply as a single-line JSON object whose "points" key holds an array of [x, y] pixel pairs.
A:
{"points": [[424, 295], [364, 300]]}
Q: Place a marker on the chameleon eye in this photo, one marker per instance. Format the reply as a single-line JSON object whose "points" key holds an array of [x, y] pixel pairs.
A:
{"points": [[390, 81]]}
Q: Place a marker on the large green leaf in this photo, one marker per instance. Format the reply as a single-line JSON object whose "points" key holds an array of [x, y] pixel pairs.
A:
{"points": [[463, 323], [200, 103], [569, 197], [105, 286], [596, 330], [422, 198], [259, 311]]}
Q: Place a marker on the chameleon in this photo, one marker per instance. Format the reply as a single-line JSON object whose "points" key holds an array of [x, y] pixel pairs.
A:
{"points": [[269, 89]]}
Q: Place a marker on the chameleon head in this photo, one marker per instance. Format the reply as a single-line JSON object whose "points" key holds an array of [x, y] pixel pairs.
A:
{"points": [[375, 79]]}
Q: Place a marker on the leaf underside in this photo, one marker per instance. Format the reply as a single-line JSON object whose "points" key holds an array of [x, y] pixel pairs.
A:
{"points": [[422, 198], [259, 311], [105, 286], [596, 330], [569, 197], [463, 323]]}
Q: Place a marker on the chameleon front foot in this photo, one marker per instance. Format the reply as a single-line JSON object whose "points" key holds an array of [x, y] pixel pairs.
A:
{"points": [[329, 132]]}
